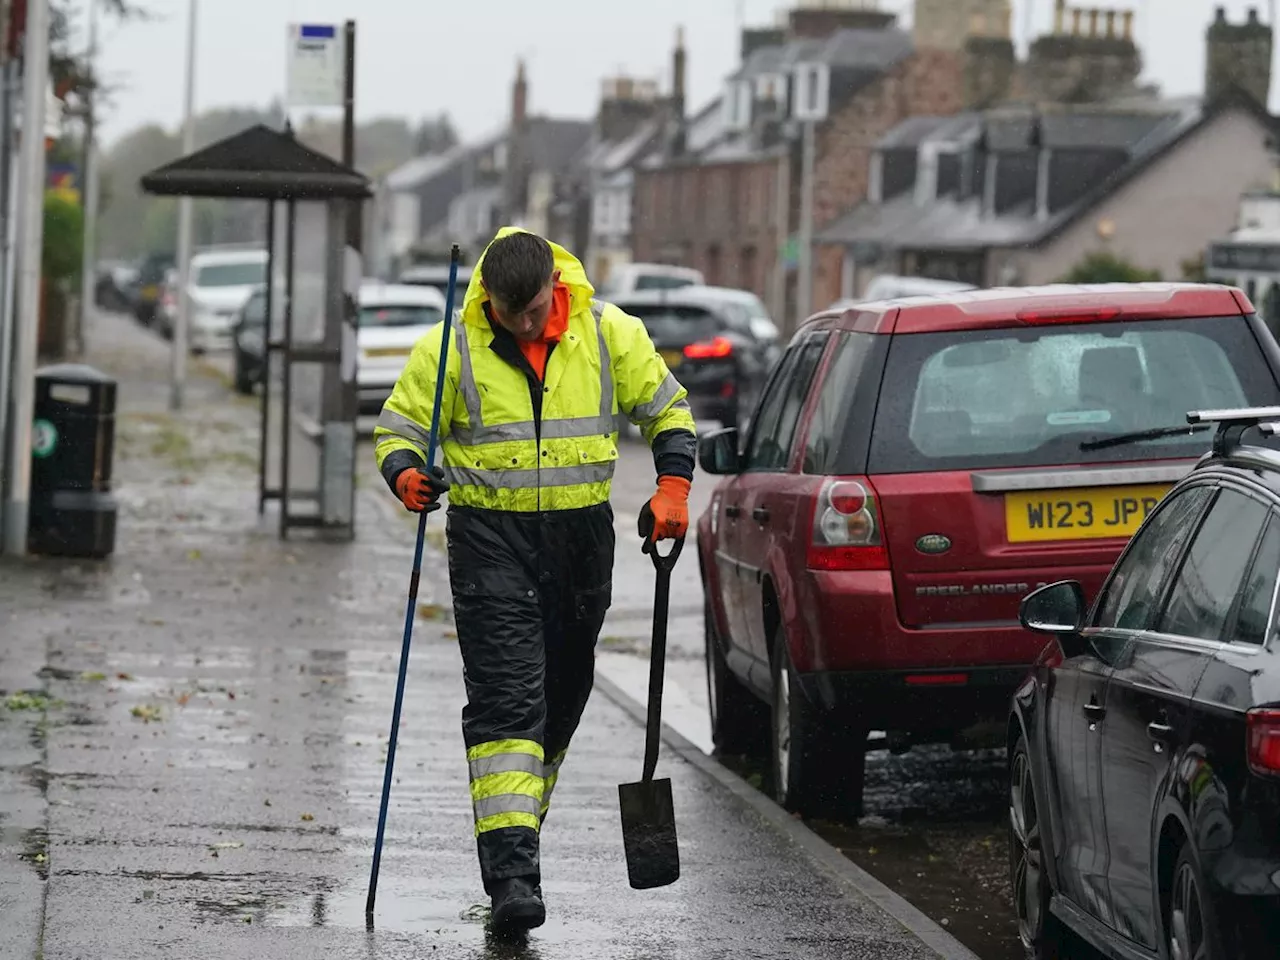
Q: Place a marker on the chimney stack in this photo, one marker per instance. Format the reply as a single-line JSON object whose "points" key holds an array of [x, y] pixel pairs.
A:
{"points": [[1238, 55], [677, 76], [519, 97]]}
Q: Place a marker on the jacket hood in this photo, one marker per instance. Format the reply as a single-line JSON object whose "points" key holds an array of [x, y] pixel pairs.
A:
{"points": [[572, 274]]}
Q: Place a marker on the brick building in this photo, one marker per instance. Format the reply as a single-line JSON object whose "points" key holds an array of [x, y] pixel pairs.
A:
{"points": [[728, 203]]}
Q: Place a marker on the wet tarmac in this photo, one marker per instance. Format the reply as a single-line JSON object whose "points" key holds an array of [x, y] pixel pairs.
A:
{"points": [[193, 733]]}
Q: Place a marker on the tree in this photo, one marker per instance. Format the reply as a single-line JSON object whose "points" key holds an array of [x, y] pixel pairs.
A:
{"points": [[1106, 267]]}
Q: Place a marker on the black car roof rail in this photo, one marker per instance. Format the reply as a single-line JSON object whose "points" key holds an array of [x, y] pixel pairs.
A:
{"points": [[1233, 423]]}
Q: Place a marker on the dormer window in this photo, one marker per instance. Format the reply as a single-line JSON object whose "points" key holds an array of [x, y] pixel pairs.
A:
{"points": [[772, 87], [812, 87], [737, 104]]}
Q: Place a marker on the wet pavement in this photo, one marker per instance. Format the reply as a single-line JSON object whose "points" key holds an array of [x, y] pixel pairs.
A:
{"points": [[192, 738]]}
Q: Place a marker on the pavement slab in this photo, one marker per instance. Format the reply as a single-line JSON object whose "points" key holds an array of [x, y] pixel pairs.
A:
{"points": [[201, 775]]}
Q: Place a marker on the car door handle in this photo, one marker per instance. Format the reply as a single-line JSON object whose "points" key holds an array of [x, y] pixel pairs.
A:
{"points": [[731, 510], [760, 515], [1160, 732], [1094, 712]]}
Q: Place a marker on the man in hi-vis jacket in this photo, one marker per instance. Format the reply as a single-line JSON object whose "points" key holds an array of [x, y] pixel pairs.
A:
{"points": [[537, 372]]}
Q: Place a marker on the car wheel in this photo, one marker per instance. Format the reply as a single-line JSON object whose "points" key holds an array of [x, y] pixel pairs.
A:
{"points": [[244, 382], [818, 760], [739, 719], [1191, 928], [1037, 929]]}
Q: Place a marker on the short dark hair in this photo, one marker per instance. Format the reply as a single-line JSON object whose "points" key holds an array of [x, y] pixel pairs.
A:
{"points": [[516, 268]]}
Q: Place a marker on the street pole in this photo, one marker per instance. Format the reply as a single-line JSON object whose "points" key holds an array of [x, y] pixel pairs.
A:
{"points": [[804, 278], [35, 69], [182, 324], [90, 179], [8, 228]]}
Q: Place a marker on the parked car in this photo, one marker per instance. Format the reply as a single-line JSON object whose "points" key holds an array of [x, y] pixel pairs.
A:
{"points": [[717, 350], [635, 277], [164, 315], [1144, 790], [248, 341], [750, 306], [915, 468], [888, 286], [146, 287], [437, 275], [392, 318], [111, 285], [221, 282]]}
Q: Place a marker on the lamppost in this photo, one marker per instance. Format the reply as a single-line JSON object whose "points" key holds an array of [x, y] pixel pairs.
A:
{"points": [[180, 327]]}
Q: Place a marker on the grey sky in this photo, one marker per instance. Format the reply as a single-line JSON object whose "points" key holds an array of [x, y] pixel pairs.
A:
{"points": [[419, 57]]}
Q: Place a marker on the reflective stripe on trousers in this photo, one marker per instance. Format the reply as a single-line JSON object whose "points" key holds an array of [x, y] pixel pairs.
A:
{"points": [[551, 773], [507, 783]]}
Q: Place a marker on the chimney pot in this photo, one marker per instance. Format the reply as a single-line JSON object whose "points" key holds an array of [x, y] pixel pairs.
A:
{"points": [[1076, 14], [1111, 24], [1059, 17], [1093, 22], [1220, 14], [1128, 24], [1253, 16]]}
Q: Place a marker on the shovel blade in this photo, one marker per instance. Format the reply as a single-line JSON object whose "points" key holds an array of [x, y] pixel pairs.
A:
{"points": [[649, 833]]}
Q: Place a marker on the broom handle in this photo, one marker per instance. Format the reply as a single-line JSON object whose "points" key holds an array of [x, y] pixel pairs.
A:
{"points": [[454, 255], [658, 652]]}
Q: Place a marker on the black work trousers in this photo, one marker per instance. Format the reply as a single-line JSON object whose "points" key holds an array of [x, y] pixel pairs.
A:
{"points": [[530, 593]]}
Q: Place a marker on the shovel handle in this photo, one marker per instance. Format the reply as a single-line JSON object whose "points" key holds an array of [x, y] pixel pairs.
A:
{"points": [[663, 565]]}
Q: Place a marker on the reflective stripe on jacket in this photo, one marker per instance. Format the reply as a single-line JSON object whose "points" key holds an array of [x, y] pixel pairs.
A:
{"points": [[501, 454]]}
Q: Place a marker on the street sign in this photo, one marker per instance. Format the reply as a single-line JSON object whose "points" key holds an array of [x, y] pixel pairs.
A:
{"points": [[316, 61]]}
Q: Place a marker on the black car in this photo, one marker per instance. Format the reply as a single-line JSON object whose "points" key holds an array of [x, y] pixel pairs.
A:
{"points": [[147, 286], [712, 343], [249, 349], [1144, 746]]}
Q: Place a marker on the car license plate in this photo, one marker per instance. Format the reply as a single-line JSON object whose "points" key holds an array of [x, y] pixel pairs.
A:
{"points": [[672, 358], [150, 292], [1087, 513], [387, 352]]}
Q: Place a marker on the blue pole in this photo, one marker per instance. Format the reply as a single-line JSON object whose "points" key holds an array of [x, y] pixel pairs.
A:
{"points": [[413, 589]]}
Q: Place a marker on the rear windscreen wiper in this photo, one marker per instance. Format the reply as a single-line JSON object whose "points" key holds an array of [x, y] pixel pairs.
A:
{"points": [[1139, 435]]}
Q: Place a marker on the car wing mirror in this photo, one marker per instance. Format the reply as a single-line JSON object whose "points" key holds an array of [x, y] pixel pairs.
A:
{"points": [[1057, 609], [718, 452]]}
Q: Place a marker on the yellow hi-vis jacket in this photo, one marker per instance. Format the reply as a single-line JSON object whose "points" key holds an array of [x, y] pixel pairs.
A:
{"points": [[497, 455]]}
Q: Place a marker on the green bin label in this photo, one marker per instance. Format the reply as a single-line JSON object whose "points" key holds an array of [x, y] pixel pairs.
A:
{"points": [[44, 438]]}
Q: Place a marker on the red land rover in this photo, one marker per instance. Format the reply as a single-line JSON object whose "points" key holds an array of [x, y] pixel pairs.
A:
{"points": [[913, 469]]}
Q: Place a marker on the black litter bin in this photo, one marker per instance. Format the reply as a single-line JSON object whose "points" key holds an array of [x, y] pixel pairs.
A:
{"points": [[72, 510]]}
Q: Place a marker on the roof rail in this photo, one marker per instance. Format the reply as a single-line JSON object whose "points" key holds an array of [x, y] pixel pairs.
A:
{"points": [[1233, 423]]}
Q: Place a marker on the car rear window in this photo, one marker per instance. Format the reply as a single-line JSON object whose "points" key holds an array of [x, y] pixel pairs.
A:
{"points": [[399, 315], [661, 281], [1032, 396], [676, 324], [231, 274]]}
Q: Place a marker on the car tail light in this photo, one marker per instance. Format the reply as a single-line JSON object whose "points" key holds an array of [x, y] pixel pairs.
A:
{"points": [[709, 349], [1263, 735], [846, 529], [1073, 315]]}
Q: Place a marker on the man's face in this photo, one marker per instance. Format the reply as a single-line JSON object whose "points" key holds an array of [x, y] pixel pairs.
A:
{"points": [[526, 324]]}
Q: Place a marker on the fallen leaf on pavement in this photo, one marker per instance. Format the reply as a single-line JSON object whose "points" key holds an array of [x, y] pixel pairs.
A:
{"points": [[93, 676], [124, 676], [308, 817], [146, 712], [193, 554], [430, 611]]}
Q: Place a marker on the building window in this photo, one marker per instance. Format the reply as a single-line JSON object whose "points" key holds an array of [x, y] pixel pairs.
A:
{"points": [[747, 269], [812, 82]]}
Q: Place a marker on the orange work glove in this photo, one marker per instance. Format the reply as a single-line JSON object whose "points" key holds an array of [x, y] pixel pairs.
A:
{"points": [[419, 490], [666, 515]]}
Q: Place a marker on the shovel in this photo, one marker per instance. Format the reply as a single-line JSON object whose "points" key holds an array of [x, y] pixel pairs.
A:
{"points": [[648, 814]]}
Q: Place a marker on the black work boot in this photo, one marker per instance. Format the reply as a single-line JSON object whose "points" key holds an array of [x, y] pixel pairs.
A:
{"points": [[517, 905]]}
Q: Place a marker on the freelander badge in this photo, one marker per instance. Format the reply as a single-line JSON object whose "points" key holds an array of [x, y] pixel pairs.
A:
{"points": [[44, 438]]}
